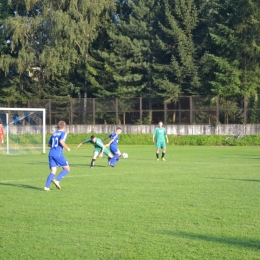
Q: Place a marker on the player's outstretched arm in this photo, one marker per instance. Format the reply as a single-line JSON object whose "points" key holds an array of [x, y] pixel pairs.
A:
{"points": [[78, 145], [64, 145], [105, 138]]}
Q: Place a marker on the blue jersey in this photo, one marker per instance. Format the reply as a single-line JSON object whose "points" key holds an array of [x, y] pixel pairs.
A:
{"points": [[115, 138], [54, 142]]}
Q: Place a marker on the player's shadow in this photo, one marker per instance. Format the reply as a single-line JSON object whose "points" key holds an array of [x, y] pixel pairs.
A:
{"points": [[86, 165], [238, 242], [230, 179], [24, 186]]}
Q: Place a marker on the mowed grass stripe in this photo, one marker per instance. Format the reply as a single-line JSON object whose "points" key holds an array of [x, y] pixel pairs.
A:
{"points": [[202, 203]]}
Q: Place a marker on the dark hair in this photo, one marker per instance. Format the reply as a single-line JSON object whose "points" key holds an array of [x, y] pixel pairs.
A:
{"points": [[92, 137], [118, 128], [61, 124]]}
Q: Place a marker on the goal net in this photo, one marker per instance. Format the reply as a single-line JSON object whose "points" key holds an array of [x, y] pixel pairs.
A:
{"points": [[24, 130]]}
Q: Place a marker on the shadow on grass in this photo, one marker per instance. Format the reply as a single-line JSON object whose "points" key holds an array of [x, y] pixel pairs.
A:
{"points": [[246, 242], [229, 179], [86, 165], [24, 186]]}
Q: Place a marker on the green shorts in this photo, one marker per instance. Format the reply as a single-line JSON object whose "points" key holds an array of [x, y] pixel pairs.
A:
{"points": [[160, 145], [98, 150]]}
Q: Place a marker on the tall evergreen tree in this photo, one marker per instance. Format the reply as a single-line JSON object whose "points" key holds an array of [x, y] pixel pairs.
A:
{"points": [[176, 62], [232, 63], [130, 57]]}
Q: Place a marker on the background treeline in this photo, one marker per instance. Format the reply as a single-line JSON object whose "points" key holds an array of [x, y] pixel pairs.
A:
{"points": [[120, 48]]}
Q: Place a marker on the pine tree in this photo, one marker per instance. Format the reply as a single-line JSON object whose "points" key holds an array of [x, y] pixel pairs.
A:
{"points": [[233, 60], [129, 60], [176, 63]]}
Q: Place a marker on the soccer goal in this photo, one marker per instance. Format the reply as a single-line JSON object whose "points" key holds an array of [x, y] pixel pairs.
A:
{"points": [[24, 130]]}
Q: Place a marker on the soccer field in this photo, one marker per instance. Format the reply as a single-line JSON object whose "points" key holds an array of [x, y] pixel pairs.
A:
{"points": [[202, 203]]}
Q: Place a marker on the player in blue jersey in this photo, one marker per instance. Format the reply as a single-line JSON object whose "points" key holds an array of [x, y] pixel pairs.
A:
{"points": [[99, 150], [114, 141], [56, 157]]}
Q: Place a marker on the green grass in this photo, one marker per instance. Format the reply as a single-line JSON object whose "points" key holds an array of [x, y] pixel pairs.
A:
{"points": [[202, 203]]}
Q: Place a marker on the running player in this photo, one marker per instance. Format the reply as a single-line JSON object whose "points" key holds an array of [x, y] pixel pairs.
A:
{"points": [[56, 157], [2, 132], [114, 141], [159, 134], [99, 149]]}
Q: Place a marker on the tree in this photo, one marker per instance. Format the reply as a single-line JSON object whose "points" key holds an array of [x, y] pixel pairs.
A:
{"points": [[176, 63], [233, 60], [49, 43]]}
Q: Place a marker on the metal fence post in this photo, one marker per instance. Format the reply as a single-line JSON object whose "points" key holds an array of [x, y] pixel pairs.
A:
{"points": [[117, 111], [165, 113], [245, 110], [191, 111], [217, 107], [50, 111], [94, 112], [141, 110], [71, 111]]}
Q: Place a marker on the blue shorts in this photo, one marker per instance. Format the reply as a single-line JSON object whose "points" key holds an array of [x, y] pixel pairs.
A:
{"points": [[114, 149], [57, 161]]}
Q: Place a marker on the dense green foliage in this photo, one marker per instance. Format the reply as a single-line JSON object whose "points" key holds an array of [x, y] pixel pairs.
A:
{"points": [[121, 48], [197, 140], [202, 203]]}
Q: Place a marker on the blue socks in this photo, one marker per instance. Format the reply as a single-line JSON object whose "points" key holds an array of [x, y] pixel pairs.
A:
{"points": [[49, 179], [62, 175], [114, 160]]}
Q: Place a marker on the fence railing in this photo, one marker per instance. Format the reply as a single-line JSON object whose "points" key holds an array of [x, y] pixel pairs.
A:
{"points": [[207, 110]]}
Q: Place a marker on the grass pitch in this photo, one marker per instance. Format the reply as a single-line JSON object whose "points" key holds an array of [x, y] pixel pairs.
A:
{"points": [[202, 203]]}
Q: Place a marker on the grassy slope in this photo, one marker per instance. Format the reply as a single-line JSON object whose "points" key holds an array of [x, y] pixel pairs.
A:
{"points": [[202, 203]]}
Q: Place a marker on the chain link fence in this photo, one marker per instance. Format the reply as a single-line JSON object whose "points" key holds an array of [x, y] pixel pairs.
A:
{"points": [[208, 110]]}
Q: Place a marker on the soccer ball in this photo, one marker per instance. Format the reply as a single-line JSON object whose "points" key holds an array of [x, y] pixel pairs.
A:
{"points": [[125, 155]]}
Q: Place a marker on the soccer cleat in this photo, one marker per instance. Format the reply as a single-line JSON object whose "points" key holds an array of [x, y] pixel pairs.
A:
{"points": [[91, 167], [112, 165], [157, 159], [57, 184], [163, 159], [46, 189]]}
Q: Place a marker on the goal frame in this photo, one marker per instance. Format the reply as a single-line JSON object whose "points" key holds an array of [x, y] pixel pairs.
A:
{"points": [[43, 110]]}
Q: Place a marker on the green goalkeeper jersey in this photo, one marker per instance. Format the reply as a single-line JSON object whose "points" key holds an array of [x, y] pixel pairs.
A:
{"points": [[159, 134]]}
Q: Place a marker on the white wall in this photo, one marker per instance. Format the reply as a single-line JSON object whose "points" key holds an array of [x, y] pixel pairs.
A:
{"points": [[171, 129], [146, 129]]}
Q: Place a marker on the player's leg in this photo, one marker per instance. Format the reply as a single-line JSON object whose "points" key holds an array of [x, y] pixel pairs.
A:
{"points": [[65, 170], [95, 155], [163, 151], [116, 156], [53, 168], [157, 151]]}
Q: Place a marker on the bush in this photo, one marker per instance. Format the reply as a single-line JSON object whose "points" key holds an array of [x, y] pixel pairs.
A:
{"points": [[196, 140]]}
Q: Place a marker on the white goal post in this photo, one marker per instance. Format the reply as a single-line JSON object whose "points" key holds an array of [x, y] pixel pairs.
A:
{"points": [[25, 130]]}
